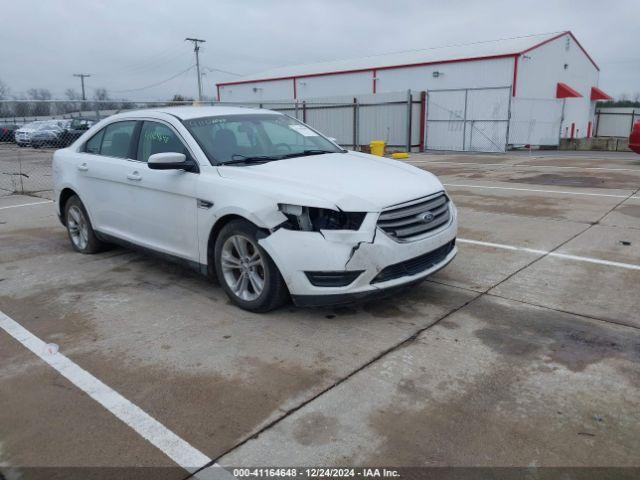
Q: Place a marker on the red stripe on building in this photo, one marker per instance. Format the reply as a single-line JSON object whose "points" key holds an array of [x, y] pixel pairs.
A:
{"points": [[368, 69], [420, 64]]}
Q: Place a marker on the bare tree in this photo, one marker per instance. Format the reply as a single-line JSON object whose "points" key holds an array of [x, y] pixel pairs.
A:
{"points": [[623, 97], [636, 97], [179, 99], [5, 110], [4, 91], [74, 103], [101, 95], [72, 94], [39, 94], [40, 106]]}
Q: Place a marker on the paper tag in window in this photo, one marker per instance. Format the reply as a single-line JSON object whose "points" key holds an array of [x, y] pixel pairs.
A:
{"points": [[304, 131]]}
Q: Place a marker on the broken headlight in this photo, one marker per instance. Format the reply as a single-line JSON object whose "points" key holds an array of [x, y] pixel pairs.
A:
{"points": [[312, 219]]}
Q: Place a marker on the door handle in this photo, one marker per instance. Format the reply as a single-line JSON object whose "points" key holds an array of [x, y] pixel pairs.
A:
{"points": [[134, 176], [83, 167]]}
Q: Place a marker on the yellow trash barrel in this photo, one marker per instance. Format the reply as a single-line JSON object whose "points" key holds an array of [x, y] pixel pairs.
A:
{"points": [[400, 155], [377, 147]]}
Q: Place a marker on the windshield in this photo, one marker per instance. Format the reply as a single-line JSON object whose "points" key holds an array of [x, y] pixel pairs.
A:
{"points": [[264, 137]]}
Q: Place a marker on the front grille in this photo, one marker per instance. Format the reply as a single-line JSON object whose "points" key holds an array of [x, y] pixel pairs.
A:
{"points": [[415, 218], [414, 265]]}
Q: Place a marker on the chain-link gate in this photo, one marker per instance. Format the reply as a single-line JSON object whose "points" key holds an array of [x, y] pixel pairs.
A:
{"points": [[468, 120]]}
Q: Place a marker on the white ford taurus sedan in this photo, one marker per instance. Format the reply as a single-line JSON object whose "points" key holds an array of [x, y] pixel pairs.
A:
{"points": [[267, 204]]}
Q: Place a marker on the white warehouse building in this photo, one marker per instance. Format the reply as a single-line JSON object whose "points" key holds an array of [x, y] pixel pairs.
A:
{"points": [[550, 80]]}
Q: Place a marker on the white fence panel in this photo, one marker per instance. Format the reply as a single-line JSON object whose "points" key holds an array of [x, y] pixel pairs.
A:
{"points": [[386, 122], [535, 121], [332, 120], [616, 122]]}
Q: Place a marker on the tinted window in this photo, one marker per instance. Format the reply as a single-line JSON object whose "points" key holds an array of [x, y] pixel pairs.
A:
{"points": [[225, 138], [158, 138], [93, 145], [116, 141]]}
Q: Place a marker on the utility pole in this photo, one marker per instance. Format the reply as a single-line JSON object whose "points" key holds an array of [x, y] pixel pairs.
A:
{"points": [[196, 48], [82, 77]]}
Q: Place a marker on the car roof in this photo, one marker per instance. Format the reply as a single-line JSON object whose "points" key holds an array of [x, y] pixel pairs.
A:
{"points": [[189, 112]]}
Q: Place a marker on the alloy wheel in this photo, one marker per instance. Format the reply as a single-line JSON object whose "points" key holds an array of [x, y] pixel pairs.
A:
{"points": [[243, 267], [78, 227]]}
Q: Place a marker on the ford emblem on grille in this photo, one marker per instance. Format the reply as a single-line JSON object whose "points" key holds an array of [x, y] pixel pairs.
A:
{"points": [[426, 217]]}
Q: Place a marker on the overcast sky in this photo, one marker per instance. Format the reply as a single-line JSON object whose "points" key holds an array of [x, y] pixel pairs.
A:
{"points": [[129, 45]]}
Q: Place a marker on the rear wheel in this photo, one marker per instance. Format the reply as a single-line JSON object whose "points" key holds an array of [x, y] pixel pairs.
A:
{"points": [[247, 274], [83, 238]]}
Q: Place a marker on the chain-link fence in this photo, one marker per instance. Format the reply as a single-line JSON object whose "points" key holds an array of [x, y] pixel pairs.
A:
{"points": [[481, 120], [30, 131]]}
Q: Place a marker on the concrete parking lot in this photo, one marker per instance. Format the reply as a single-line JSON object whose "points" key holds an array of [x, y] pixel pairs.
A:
{"points": [[25, 170], [525, 351]]}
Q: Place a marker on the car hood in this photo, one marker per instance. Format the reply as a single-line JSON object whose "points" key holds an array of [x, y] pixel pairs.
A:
{"points": [[52, 130], [351, 181]]}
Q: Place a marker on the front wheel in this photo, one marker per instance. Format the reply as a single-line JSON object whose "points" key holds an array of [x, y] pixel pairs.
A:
{"points": [[247, 274], [83, 238]]}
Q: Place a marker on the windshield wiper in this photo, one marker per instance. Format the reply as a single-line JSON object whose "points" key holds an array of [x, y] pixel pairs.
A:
{"points": [[241, 159], [306, 153]]}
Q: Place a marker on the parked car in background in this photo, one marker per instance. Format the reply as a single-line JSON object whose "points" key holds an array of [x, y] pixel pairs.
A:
{"points": [[268, 204], [7, 132], [76, 128], [40, 133], [634, 138]]}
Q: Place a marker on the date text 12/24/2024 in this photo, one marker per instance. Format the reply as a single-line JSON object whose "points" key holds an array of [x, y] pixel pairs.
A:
{"points": [[316, 472]]}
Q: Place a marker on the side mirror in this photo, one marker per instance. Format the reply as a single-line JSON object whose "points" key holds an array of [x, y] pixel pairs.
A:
{"points": [[169, 161]]}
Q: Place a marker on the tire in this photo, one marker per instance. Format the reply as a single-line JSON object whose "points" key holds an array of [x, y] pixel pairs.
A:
{"points": [[81, 235], [237, 254]]}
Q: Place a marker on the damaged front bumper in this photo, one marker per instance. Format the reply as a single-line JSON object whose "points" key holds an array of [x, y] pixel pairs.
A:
{"points": [[386, 265]]}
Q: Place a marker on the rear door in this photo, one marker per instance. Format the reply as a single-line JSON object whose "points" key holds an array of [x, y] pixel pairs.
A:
{"points": [[102, 168], [162, 203]]}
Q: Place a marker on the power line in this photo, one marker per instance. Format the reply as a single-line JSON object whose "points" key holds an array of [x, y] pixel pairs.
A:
{"points": [[222, 71], [156, 61], [154, 84]]}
